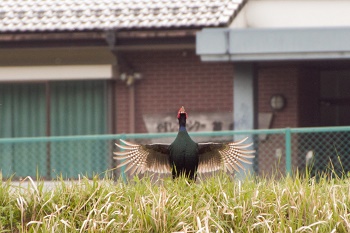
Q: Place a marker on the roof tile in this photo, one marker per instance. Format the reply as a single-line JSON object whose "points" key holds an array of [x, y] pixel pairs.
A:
{"points": [[63, 15]]}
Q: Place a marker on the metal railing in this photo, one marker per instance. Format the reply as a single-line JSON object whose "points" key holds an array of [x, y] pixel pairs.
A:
{"points": [[278, 151]]}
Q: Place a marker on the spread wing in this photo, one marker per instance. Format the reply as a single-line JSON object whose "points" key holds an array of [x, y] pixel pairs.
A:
{"points": [[227, 156], [141, 158]]}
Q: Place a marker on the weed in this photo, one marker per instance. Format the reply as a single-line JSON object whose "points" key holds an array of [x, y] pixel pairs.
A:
{"points": [[219, 203]]}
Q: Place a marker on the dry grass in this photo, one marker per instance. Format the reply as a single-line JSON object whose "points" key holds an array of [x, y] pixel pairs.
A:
{"points": [[216, 204]]}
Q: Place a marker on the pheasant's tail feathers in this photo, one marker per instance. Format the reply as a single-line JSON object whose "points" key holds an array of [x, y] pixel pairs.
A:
{"points": [[242, 146], [129, 143], [122, 154], [142, 158], [227, 156], [239, 142], [134, 158], [236, 154], [127, 146], [131, 160]]}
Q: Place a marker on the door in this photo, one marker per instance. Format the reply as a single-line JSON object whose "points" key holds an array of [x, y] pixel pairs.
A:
{"points": [[335, 111], [335, 98]]}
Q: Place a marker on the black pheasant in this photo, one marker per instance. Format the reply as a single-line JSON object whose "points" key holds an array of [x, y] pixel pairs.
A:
{"points": [[184, 156]]}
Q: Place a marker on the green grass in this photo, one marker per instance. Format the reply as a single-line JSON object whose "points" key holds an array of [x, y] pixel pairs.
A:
{"points": [[215, 204]]}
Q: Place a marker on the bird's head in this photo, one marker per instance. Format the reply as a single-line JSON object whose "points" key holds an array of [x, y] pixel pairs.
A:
{"points": [[181, 112], [182, 116]]}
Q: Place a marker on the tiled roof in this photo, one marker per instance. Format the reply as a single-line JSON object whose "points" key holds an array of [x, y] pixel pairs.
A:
{"points": [[69, 15]]}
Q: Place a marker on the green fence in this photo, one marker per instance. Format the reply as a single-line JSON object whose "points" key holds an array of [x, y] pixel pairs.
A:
{"points": [[278, 151]]}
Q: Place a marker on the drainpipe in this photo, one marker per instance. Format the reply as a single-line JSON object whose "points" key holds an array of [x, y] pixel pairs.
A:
{"points": [[130, 79], [132, 108]]}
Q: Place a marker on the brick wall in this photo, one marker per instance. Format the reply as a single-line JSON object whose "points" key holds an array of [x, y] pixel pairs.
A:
{"points": [[279, 80], [172, 79], [299, 85]]}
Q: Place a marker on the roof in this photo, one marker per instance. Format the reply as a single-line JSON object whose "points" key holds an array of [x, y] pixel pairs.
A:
{"points": [[80, 15]]}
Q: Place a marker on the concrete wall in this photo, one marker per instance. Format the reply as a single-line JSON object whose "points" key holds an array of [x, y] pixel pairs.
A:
{"points": [[293, 13], [55, 56]]}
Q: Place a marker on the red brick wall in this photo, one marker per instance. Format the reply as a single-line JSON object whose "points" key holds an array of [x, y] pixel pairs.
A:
{"points": [[279, 80], [122, 109], [171, 79], [300, 86], [175, 78]]}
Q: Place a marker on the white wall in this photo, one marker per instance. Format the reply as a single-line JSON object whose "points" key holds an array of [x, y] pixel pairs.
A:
{"points": [[293, 13], [61, 63], [66, 72]]}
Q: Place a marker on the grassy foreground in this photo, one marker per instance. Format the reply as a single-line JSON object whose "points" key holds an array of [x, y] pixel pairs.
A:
{"points": [[216, 204]]}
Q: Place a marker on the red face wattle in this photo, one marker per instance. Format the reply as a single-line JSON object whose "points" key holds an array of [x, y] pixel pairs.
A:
{"points": [[181, 110]]}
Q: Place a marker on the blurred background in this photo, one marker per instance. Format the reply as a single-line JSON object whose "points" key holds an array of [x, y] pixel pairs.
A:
{"points": [[77, 75]]}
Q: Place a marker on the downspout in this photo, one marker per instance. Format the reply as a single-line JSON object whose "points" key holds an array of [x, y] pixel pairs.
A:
{"points": [[128, 77], [110, 37], [132, 108], [130, 80]]}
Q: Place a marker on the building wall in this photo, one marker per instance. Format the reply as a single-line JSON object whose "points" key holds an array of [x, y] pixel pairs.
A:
{"points": [[285, 80], [171, 79], [281, 14], [309, 95], [279, 80], [299, 85], [56, 56]]}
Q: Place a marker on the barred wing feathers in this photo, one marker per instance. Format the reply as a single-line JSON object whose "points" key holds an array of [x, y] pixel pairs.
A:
{"points": [[141, 158], [227, 156]]}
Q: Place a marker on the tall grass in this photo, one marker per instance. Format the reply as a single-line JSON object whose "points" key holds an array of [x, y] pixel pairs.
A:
{"points": [[215, 204]]}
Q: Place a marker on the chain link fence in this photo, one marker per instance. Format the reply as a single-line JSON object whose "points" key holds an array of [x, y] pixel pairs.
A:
{"points": [[47, 158], [278, 152], [317, 150], [322, 151]]}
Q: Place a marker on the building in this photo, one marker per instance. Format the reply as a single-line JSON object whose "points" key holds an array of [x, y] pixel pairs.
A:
{"points": [[72, 54], [96, 67], [295, 51], [73, 67]]}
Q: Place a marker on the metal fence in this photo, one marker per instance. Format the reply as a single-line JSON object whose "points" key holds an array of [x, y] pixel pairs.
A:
{"points": [[278, 152]]}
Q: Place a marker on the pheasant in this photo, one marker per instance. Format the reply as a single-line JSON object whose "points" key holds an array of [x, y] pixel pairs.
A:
{"points": [[184, 156]]}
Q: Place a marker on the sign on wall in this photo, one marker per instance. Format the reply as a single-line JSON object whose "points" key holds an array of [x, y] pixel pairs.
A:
{"points": [[196, 122]]}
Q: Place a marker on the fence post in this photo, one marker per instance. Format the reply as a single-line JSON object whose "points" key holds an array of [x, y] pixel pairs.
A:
{"points": [[288, 139], [122, 169]]}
